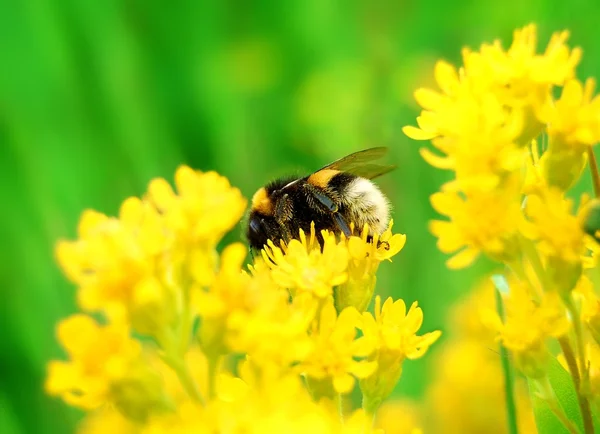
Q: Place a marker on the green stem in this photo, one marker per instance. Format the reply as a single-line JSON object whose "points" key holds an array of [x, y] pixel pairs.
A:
{"points": [[168, 344], [517, 268], [340, 405], [186, 323], [536, 263], [581, 381], [594, 171], [509, 395], [584, 404], [184, 375], [213, 364]]}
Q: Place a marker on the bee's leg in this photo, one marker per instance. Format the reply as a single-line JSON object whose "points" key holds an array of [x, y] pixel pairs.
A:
{"points": [[342, 224], [331, 207]]}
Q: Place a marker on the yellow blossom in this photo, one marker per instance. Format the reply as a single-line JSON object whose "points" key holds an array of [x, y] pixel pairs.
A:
{"points": [[399, 417], [107, 420], [105, 366], [303, 266], [520, 76], [366, 253], [258, 404], [335, 347], [189, 418], [111, 257], [393, 331], [477, 136], [495, 88], [250, 313], [528, 326], [480, 222], [559, 235], [273, 324], [553, 225], [574, 119], [204, 208]]}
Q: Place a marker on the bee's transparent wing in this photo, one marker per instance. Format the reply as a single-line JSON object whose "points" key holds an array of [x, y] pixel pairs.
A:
{"points": [[362, 164]]}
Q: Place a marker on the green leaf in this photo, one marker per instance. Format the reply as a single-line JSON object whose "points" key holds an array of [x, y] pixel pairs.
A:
{"points": [[563, 386]]}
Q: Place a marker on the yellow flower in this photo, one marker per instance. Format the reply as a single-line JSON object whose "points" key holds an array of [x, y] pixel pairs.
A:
{"points": [[519, 76], [477, 136], [335, 347], [480, 222], [189, 418], [111, 257], [137, 267], [494, 85], [302, 266], [250, 313], [574, 119], [259, 404], [205, 208], [105, 366], [393, 331], [527, 327], [228, 293], [399, 417], [366, 253], [559, 235], [558, 232], [273, 324], [106, 420]]}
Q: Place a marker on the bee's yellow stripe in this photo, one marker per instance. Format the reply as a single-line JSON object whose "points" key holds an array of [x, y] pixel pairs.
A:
{"points": [[322, 177]]}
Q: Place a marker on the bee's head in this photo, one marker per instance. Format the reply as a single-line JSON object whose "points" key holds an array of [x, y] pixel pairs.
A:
{"points": [[262, 224]]}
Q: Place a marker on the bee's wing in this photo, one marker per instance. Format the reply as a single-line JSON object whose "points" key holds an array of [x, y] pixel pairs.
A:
{"points": [[361, 163]]}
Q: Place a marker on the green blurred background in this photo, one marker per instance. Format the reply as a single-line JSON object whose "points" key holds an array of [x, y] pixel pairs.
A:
{"points": [[97, 98]]}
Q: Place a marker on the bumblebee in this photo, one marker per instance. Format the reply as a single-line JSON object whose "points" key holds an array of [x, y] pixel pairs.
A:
{"points": [[333, 197]]}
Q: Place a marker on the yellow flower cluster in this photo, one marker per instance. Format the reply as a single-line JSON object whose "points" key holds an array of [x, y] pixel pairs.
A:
{"points": [[515, 151], [167, 318]]}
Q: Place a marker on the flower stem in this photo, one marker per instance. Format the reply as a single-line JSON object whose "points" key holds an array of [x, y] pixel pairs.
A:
{"points": [[340, 404], [509, 396], [581, 375], [594, 170], [536, 263], [584, 404], [187, 381], [213, 364], [168, 342], [185, 325]]}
